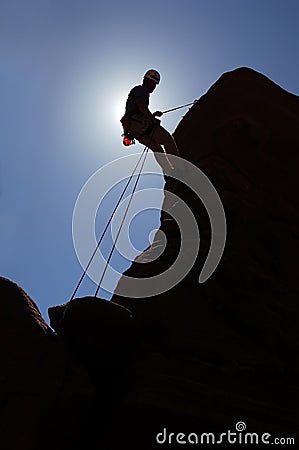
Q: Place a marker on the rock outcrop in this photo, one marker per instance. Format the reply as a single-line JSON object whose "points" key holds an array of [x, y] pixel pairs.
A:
{"points": [[198, 358], [230, 346], [46, 398]]}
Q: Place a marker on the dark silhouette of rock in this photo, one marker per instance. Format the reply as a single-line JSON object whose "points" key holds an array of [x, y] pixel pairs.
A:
{"points": [[198, 358], [232, 343], [46, 399], [92, 329]]}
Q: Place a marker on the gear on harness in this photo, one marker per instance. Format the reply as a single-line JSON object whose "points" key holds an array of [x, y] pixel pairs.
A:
{"points": [[128, 139]]}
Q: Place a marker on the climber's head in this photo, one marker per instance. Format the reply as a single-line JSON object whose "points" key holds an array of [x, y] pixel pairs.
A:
{"points": [[151, 79]]}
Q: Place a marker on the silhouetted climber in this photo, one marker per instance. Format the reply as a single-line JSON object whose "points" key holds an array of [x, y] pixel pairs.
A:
{"points": [[144, 126]]}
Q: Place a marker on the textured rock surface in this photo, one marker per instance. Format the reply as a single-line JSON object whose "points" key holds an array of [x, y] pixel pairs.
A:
{"points": [[101, 335], [230, 346], [45, 398]]}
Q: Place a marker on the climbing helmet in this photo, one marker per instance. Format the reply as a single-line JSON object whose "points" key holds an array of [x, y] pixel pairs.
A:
{"points": [[153, 75]]}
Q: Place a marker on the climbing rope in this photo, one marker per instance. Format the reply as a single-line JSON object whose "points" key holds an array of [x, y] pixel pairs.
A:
{"points": [[179, 107], [145, 151]]}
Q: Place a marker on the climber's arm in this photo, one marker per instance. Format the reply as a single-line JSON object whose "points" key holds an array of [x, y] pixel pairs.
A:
{"points": [[144, 109]]}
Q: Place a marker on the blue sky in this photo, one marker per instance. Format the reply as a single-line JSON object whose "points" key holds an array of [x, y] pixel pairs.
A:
{"points": [[65, 70]]}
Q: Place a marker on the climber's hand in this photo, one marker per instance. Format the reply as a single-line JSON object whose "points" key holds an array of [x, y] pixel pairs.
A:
{"points": [[158, 114]]}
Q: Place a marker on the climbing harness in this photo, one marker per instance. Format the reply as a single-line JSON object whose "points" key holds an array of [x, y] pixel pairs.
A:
{"points": [[128, 139], [147, 127]]}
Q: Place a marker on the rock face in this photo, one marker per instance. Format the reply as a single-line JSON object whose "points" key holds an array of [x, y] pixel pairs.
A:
{"points": [[102, 336], [45, 397], [230, 346], [198, 358]]}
